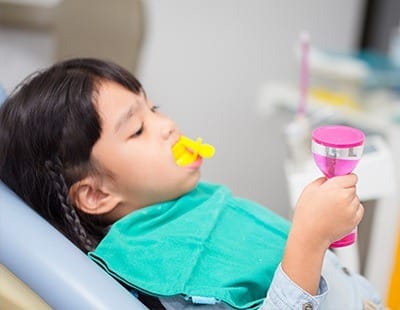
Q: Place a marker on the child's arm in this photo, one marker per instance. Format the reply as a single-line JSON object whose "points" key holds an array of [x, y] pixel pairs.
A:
{"points": [[326, 211]]}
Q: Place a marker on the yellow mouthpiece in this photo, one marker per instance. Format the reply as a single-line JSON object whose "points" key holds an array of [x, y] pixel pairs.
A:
{"points": [[186, 150]]}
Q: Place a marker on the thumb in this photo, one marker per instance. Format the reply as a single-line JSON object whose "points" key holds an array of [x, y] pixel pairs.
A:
{"points": [[319, 181]]}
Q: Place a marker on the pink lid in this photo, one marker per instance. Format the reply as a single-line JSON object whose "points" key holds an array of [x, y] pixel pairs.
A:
{"points": [[338, 136]]}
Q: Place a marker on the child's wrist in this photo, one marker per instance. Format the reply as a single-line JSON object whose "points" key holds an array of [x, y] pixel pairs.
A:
{"points": [[309, 240]]}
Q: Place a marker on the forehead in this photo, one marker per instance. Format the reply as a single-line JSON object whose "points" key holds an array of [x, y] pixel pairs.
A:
{"points": [[113, 100]]}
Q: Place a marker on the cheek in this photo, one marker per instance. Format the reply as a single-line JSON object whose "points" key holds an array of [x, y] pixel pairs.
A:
{"points": [[148, 162], [151, 165]]}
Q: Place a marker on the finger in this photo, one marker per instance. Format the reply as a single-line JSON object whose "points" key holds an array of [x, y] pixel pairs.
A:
{"points": [[359, 213], [319, 181], [345, 181], [350, 191], [355, 203]]}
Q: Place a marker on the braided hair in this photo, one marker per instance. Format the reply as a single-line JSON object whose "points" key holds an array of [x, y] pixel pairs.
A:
{"points": [[48, 127]]}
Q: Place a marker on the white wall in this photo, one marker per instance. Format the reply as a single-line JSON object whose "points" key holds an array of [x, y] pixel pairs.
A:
{"points": [[204, 62], [22, 52]]}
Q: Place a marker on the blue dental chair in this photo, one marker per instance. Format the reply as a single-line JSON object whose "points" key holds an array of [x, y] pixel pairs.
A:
{"points": [[48, 263]]}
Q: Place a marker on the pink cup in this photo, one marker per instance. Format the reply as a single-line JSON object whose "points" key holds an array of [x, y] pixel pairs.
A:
{"points": [[337, 151]]}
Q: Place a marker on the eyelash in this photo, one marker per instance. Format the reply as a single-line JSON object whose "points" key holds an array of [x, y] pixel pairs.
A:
{"points": [[139, 132]]}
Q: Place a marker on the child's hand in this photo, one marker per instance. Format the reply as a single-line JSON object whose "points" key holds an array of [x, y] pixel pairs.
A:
{"points": [[327, 210]]}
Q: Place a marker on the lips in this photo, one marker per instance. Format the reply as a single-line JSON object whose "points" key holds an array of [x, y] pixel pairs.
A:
{"points": [[196, 159], [196, 164]]}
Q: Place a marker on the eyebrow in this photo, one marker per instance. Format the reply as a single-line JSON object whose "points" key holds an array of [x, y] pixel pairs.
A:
{"points": [[125, 117]]}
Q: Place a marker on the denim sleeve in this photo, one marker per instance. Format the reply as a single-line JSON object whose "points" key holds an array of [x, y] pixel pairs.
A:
{"points": [[285, 294]]}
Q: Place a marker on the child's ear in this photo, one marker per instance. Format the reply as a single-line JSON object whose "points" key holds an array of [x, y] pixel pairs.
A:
{"points": [[91, 197]]}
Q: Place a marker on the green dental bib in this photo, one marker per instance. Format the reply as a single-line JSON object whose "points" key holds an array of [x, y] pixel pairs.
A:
{"points": [[206, 244]]}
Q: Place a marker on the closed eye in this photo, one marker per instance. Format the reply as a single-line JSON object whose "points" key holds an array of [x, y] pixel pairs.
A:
{"points": [[154, 108], [138, 132]]}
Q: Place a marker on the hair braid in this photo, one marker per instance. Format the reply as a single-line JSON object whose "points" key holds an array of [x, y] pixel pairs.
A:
{"points": [[78, 232]]}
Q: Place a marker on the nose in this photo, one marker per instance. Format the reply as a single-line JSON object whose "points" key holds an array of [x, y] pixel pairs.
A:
{"points": [[169, 129]]}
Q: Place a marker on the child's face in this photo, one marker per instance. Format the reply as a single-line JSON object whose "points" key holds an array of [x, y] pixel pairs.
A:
{"points": [[135, 146]]}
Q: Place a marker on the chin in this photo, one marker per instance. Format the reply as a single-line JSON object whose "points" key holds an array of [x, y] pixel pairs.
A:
{"points": [[189, 186]]}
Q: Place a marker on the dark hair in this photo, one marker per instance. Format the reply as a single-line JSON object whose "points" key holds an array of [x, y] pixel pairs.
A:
{"points": [[48, 127]]}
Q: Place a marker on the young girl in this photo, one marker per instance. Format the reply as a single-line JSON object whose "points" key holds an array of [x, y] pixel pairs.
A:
{"points": [[84, 147]]}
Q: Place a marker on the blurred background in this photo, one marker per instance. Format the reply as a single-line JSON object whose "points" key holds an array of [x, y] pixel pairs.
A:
{"points": [[228, 71]]}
